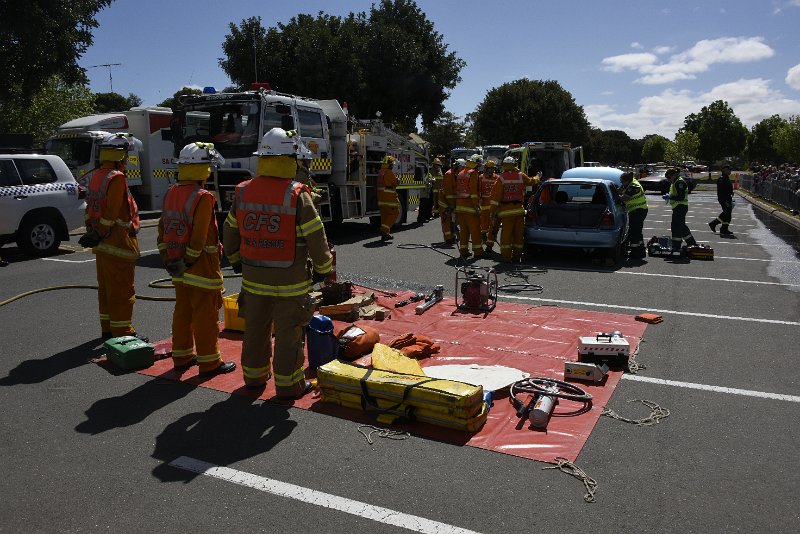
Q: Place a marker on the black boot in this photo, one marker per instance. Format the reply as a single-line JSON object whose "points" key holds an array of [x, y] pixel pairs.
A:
{"points": [[691, 242], [713, 225], [724, 230]]}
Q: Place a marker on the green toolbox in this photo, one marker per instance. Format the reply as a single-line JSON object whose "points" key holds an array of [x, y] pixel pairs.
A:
{"points": [[128, 352]]}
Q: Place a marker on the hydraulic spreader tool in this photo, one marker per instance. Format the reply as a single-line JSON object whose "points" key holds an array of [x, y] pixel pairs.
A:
{"points": [[435, 296], [544, 394]]}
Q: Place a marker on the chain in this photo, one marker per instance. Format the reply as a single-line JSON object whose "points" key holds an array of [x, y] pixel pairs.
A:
{"points": [[382, 433], [573, 470], [657, 413]]}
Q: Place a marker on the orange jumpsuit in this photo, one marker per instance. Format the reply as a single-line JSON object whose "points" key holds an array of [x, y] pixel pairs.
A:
{"points": [[116, 254], [198, 291], [488, 178], [447, 199], [388, 202], [507, 201], [468, 212]]}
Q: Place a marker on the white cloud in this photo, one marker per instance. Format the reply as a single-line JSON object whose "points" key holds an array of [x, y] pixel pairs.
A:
{"points": [[752, 100], [697, 59], [662, 50], [636, 45], [793, 76]]}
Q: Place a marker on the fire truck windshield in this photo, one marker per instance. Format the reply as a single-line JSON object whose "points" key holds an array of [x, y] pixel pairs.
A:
{"points": [[75, 151], [232, 126]]}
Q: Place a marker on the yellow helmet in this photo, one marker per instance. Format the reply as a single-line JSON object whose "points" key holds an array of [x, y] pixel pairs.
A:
{"points": [[436, 161], [388, 161], [491, 164]]}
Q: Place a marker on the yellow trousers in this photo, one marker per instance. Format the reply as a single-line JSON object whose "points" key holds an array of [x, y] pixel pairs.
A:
{"points": [[195, 326], [447, 224], [512, 238], [290, 315], [116, 294], [389, 205], [469, 229]]}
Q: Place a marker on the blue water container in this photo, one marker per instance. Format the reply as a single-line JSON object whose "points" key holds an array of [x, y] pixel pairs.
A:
{"points": [[322, 345]]}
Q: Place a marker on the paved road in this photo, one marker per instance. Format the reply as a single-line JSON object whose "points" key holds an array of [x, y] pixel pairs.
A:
{"points": [[86, 451]]}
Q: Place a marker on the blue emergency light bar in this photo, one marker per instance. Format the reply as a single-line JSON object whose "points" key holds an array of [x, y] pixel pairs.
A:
{"points": [[208, 90]]}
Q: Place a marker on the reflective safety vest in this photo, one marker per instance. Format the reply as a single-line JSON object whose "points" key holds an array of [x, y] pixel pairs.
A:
{"points": [[97, 198], [513, 186], [180, 204], [487, 183], [462, 184], [382, 180], [637, 201], [673, 192], [266, 212]]}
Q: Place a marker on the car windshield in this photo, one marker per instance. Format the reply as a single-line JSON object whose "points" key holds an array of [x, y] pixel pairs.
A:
{"points": [[75, 151]]}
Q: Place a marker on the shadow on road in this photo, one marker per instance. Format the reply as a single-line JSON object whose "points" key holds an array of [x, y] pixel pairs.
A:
{"points": [[36, 371]]}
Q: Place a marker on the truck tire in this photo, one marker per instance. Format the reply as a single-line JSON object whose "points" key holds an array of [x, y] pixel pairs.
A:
{"points": [[39, 236]]}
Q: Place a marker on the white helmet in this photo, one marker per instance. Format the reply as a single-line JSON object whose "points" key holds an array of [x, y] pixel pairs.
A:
{"points": [[461, 162], [125, 141], [476, 158], [200, 153], [508, 160], [278, 142], [304, 153]]}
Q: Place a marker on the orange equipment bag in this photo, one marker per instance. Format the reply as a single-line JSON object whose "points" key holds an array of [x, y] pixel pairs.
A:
{"points": [[415, 345], [356, 340]]}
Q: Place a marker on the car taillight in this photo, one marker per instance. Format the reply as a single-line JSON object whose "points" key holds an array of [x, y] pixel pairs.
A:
{"points": [[608, 220], [81, 191]]}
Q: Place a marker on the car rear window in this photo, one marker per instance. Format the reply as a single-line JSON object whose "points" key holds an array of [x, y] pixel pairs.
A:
{"points": [[8, 173], [35, 171], [577, 194]]}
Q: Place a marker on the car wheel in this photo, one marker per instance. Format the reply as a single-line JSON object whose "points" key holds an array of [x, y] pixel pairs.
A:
{"points": [[39, 237], [616, 254]]}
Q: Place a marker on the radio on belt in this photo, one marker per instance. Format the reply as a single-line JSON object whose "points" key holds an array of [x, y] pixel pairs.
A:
{"points": [[611, 349]]}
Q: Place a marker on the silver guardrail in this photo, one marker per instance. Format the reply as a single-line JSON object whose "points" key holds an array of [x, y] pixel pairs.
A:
{"points": [[782, 190]]}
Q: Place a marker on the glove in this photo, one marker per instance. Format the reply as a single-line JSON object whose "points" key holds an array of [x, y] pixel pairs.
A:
{"points": [[316, 277], [237, 268], [176, 267], [665, 197], [90, 239]]}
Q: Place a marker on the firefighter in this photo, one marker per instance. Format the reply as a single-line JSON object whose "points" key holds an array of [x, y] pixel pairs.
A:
{"points": [[112, 222], [678, 198], [388, 202], [468, 208], [487, 180], [447, 201], [725, 199], [636, 205], [438, 177], [188, 242], [273, 235], [507, 201]]}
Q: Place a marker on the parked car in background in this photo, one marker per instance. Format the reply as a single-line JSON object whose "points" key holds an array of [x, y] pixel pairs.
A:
{"points": [[40, 202], [657, 181], [582, 209]]}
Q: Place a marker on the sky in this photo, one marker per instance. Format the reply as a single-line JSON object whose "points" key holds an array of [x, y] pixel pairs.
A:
{"points": [[640, 66]]}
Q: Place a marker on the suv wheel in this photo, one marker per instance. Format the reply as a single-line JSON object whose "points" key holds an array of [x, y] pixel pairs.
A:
{"points": [[39, 237]]}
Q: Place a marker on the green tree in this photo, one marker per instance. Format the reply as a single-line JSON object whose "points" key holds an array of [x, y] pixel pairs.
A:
{"points": [[685, 147], [720, 131], [110, 102], [530, 110], [787, 139], [608, 146], [446, 133], [40, 39], [760, 146], [654, 148], [51, 106], [172, 102], [391, 60]]}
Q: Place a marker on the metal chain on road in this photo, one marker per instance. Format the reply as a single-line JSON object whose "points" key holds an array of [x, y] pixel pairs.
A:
{"points": [[573, 470], [633, 366], [657, 413], [382, 433]]}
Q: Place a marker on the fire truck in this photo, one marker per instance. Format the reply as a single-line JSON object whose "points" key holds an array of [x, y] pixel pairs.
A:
{"points": [[347, 153], [149, 171]]}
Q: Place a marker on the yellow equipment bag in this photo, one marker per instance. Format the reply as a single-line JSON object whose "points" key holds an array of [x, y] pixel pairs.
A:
{"points": [[386, 358], [386, 392]]}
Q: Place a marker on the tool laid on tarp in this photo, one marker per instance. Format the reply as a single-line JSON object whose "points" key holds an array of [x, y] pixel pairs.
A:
{"points": [[590, 372], [544, 394], [474, 291], [493, 378], [129, 352], [611, 349], [393, 396], [414, 298], [435, 296]]}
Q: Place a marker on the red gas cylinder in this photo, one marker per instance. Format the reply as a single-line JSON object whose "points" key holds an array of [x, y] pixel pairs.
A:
{"points": [[332, 275]]}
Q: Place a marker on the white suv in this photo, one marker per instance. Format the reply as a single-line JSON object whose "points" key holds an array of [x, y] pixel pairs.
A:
{"points": [[40, 202]]}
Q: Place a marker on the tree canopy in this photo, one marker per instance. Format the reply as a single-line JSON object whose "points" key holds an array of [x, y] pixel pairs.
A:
{"points": [[110, 102], [721, 132], [608, 146], [391, 60], [786, 138], [444, 134], [530, 110], [172, 102], [43, 38], [760, 146], [654, 148]]}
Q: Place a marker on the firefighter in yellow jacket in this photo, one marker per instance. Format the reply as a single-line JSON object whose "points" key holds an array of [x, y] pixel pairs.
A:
{"points": [[112, 222], [273, 235], [468, 208], [508, 196], [188, 242], [487, 180], [388, 201]]}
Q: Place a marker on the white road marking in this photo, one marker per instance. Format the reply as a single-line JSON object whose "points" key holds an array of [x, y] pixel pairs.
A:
{"points": [[640, 309], [318, 498], [752, 259], [708, 278], [717, 389], [90, 259]]}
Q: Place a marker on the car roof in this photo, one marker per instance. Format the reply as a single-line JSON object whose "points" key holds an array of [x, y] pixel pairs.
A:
{"points": [[610, 174]]}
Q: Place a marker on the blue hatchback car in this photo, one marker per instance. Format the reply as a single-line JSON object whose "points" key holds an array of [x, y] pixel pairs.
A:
{"points": [[582, 209]]}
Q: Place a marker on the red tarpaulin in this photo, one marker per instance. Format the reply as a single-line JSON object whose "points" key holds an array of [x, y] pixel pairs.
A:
{"points": [[534, 339]]}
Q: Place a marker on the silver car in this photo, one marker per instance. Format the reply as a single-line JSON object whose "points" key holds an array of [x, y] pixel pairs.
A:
{"points": [[582, 209]]}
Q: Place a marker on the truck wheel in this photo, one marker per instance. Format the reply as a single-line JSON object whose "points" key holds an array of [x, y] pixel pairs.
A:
{"points": [[39, 236]]}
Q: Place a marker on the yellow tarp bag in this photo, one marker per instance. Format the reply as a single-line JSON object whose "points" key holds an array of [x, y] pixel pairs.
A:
{"points": [[443, 396], [406, 412], [386, 358]]}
